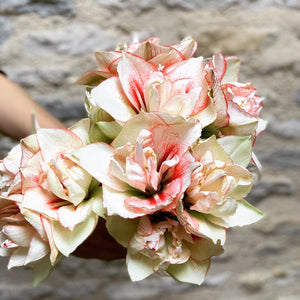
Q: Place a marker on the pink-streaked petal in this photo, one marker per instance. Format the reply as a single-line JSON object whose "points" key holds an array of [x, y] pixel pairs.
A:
{"points": [[105, 59], [32, 173], [114, 202], [56, 186], [69, 216], [191, 69], [219, 65], [175, 139], [204, 201], [81, 129], [96, 159], [13, 159], [208, 115], [93, 78], [195, 223], [220, 103], [134, 73], [186, 47], [37, 250], [53, 142], [110, 96], [240, 122], [34, 219], [166, 59], [160, 200], [136, 174], [19, 234], [42, 202], [148, 50], [54, 253]]}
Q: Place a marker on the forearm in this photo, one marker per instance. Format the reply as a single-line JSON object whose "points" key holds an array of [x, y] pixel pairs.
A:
{"points": [[16, 109]]}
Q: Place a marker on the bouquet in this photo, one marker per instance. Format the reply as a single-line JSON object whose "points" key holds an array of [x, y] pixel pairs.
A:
{"points": [[162, 156]]}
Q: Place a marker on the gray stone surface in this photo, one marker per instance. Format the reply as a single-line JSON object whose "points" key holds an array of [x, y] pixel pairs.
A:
{"points": [[64, 110], [142, 5], [289, 129], [6, 29], [42, 7], [263, 189], [281, 158], [76, 39], [134, 6], [33, 77], [46, 55], [153, 287], [297, 97]]}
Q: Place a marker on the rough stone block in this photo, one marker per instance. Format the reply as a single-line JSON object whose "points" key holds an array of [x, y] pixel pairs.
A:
{"points": [[42, 7], [6, 29], [75, 39]]}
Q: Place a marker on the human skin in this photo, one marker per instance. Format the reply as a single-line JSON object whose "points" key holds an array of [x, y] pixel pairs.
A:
{"points": [[16, 109]]}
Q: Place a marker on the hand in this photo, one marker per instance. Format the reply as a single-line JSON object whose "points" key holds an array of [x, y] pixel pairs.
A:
{"points": [[100, 245]]}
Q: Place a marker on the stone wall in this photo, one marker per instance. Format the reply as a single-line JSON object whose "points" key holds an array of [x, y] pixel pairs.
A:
{"points": [[46, 45]]}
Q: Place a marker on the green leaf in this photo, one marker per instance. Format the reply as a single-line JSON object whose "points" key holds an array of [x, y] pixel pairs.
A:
{"points": [[192, 271], [239, 148]]}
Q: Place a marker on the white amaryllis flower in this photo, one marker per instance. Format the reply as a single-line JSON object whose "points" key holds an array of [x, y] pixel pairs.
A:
{"points": [[160, 243], [147, 168], [214, 199], [236, 104], [55, 192], [10, 177], [149, 50], [25, 244], [177, 89]]}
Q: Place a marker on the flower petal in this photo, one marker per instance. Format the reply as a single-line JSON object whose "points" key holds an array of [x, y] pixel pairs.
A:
{"points": [[96, 159], [66, 240], [110, 96], [139, 266], [245, 214], [192, 271], [121, 229], [133, 73]]}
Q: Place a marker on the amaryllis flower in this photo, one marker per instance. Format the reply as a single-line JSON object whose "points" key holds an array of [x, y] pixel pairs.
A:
{"points": [[10, 177], [58, 191], [177, 89], [160, 243], [214, 199], [24, 244], [236, 104], [147, 168], [148, 50]]}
